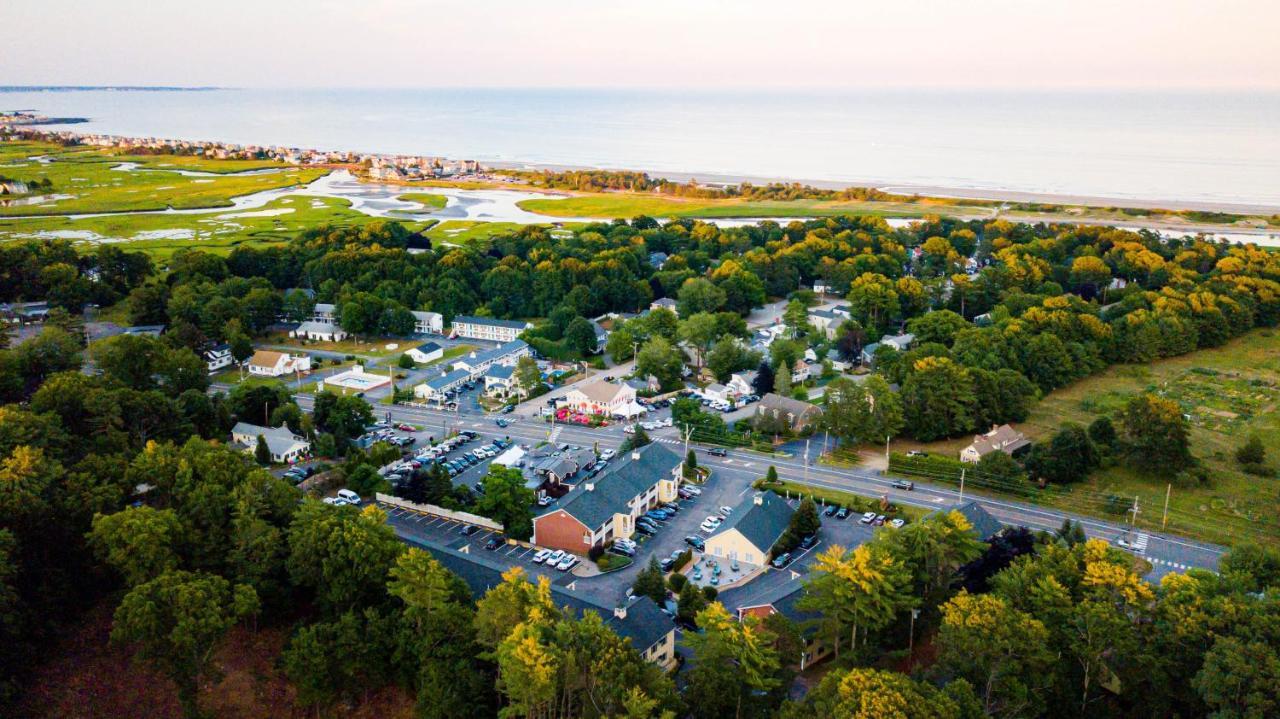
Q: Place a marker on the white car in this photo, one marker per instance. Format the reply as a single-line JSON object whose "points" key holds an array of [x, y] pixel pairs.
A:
{"points": [[541, 556], [868, 518], [555, 557], [335, 501], [629, 429], [566, 563], [693, 489], [625, 543], [897, 523], [726, 510], [708, 527], [666, 422], [348, 496], [607, 455]]}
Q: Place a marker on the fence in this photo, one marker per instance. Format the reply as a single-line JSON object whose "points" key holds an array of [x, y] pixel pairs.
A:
{"points": [[465, 517]]}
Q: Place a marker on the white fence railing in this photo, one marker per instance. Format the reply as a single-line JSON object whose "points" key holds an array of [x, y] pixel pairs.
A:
{"points": [[466, 517]]}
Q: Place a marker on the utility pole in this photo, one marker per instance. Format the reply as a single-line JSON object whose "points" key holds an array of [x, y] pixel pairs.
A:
{"points": [[911, 640], [806, 461], [886, 448], [1164, 521], [1133, 521], [688, 432], [962, 470]]}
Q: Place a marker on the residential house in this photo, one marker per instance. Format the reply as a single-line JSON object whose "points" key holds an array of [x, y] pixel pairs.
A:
{"points": [[477, 363], [741, 384], [428, 323], [1000, 439], [438, 388], [657, 260], [318, 331], [828, 320], [983, 525], [796, 415], [218, 357], [325, 312], [24, 312], [603, 398], [269, 363], [800, 372], [602, 337], [488, 328], [282, 443], [763, 598], [751, 530], [605, 507], [426, 352], [666, 303], [500, 381], [717, 392], [899, 343]]}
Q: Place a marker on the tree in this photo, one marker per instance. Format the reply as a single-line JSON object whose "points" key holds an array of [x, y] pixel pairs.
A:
{"points": [[261, 452], [690, 603], [873, 299], [727, 356], [690, 464], [1068, 457], [507, 500], [1257, 565], [580, 336], [341, 554], [699, 295], [1252, 452], [177, 620], [733, 662], [638, 439], [660, 358], [365, 481], [1240, 679], [865, 693], [344, 417], [1103, 433], [699, 331], [650, 583], [804, 521], [1001, 469], [863, 588], [933, 550], [939, 326], [1002, 651], [1156, 433], [405, 362], [937, 399], [528, 376], [862, 412], [141, 543]]}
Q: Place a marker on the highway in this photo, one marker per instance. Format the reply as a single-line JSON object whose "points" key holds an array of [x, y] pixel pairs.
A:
{"points": [[1167, 553]]}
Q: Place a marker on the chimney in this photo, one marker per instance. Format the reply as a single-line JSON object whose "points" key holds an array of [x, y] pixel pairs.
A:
{"points": [[589, 486], [635, 454], [620, 611], [758, 499]]}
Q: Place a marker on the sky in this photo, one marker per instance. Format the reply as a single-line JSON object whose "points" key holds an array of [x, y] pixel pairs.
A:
{"points": [[1084, 44]]}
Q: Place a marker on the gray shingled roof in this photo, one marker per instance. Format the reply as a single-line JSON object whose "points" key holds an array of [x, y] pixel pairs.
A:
{"points": [[644, 624], [445, 380], [762, 523], [496, 353], [620, 482], [985, 526]]}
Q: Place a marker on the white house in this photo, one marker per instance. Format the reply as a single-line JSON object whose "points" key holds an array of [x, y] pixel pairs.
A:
{"points": [[477, 363], [603, 398], [1000, 439], [666, 303], [218, 356], [428, 323], [426, 352], [500, 381], [438, 388], [717, 392], [324, 312], [269, 363], [741, 384], [800, 372], [319, 331], [282, 443], [488, 328], [899, 343], [828, 320]]}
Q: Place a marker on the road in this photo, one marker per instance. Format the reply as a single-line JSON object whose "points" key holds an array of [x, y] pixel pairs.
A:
{"points": [[1167, 553]]}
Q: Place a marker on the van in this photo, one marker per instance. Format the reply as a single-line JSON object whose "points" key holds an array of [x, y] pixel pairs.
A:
{"points": [[348, 496]]}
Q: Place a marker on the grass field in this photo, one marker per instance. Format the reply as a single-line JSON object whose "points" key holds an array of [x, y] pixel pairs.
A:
{"points": [[1230, 393], [84, 180], [430, 202], [620, 204], [462, 232]]}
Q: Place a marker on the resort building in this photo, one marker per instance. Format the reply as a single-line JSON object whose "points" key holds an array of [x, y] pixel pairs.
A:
{"points": [[751, 530], [269, 363], [437, 389], [428, 323], [477, 363], [282, 443], [499, 380], [1000, 439], [488, 328], [426, 352], [605, 507]]}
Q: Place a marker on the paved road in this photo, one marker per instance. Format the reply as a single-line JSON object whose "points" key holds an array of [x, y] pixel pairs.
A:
{"points": [[1166, 552]]}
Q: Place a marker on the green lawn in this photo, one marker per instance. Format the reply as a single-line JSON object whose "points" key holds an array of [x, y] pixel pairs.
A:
{"points": [[462, 232], [1230, 393], [429, 201]]}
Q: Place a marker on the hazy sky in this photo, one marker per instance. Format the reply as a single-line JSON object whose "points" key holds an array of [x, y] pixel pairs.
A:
{"points": [[654, 43]]}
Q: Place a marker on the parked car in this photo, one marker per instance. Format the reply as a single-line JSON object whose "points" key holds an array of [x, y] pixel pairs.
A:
{"points": [[903, 484], [469, 530], [608, 454], [879, 520], [493, 543], [501, 422], [348, 496], [808, 541], [897, 522], [917, 453], [541, 555], [725, 511], [843, 513], [830, 511], [695, 542], [868, 518], [781, 561], [567, 563]]}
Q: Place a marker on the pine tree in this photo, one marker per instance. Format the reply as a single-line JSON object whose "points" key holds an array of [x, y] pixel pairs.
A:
{"points": [[262, 452]]}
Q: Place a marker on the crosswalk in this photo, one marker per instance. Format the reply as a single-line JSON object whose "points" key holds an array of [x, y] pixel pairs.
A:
{"points": [[1167, 563], [555, 434]]}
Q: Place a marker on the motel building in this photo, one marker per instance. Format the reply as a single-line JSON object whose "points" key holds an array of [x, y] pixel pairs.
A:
{"points": [[604, 508]]}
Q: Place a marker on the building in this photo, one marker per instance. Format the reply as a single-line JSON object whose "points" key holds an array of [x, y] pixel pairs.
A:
{"points": [[637, 620], [477, 363], [657, 260], [602, 337], [899, 343], [24, 312], [717, 392], [741, 384], [751, 530], [438, 388], [357, 380], [426, 352], [605, 507], [269, 363], [428, 323], [318, 331], [1002, 439], [828, 320], [218, 357], [666, 303], [325, 312], [800, 372], [488, 328], [603, 398], [499, 380], [984, 526], [762, 599], [282, 443], [796, 415]]}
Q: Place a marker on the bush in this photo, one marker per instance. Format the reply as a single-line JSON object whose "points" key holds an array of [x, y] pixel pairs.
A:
{"points": [[677, 582], [405, 362], [1251, 452], [710, 593], [595, 553], [682, 560]]}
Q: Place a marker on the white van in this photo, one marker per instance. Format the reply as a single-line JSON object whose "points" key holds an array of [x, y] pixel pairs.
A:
{"points": [[349, 496]]}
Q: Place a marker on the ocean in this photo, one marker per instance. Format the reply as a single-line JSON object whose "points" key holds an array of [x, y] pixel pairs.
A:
{"points": [[1211, 147]]}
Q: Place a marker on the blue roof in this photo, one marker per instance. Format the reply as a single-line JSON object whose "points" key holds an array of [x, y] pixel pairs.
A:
{"points": [[494, 354], [428, 347], [500, 371], [444, 380], [491, 321]]}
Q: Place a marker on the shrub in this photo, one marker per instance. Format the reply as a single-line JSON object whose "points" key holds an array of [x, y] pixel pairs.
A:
{"points": [[595, 553], [677, 582], [710, 593]]}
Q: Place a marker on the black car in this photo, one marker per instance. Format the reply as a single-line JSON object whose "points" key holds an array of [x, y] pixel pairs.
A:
{"points": [[830, 510], [493, 543], [469, 530], [808, 541], [904, 484], [843, 513], [717, 452], [781, 561]]}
